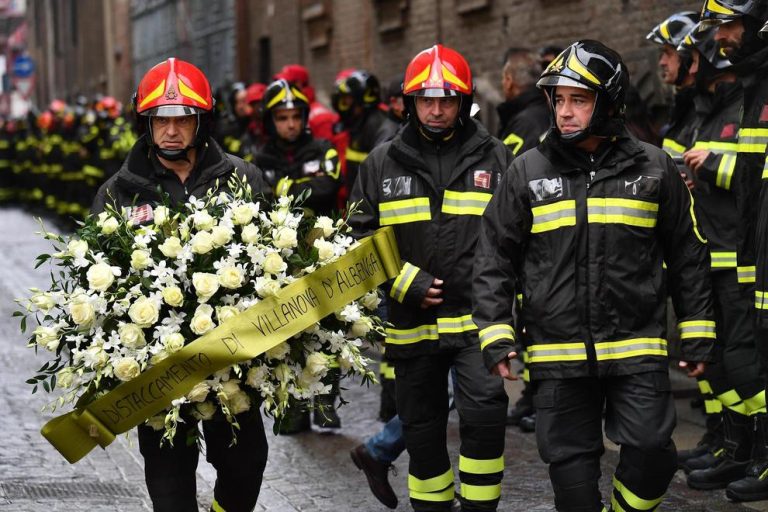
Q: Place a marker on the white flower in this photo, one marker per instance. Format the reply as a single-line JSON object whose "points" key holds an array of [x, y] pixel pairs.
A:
{"points": [[206, 285], [274, 264], [65, 378], [230, 388], [361, 327], [279, 351], [267, 287], [95, 357], [161, 215], [230, 277], [224, 313], [279, 216], [173, 296], [144, 312], [127, 368], [204, 411], [256, 376], [239, 403], [371, 300], [140, 259], [202, 220], [171, 248], [202, 242], [47, 337], [77, 248], [250, 234], [282, 373], [326, 224], [109, 226], [156, 423], [43, 301], [221, 235], [201, 321], [242, 214], [199, 393], [173, 342], [324, 249], [131, 336], [82, 311], [285, 238], [317, 363], [100, 276], [350, 313]]}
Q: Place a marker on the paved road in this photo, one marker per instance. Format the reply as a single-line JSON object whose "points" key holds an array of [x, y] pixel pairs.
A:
{"points": [[306, 473]]}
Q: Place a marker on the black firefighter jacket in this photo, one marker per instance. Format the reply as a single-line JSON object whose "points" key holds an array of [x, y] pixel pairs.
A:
{"points": [[138, 180], [309, 163], [524, 120], [680, 130], [436, 229], [585, 237]]}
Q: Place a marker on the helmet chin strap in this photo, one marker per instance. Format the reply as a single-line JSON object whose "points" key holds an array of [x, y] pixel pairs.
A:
{"points": [[173, 155]]}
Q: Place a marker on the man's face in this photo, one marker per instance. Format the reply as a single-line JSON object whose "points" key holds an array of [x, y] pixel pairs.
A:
{"points": [[573, 108], [507, 83], [437, 113], [397, 106], [669, 64], [174, 132], [242, 108], [730, 36], [288, 123]]}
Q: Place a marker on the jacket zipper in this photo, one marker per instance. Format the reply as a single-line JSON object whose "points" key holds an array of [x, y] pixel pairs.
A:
{"points": [[589, 342]]}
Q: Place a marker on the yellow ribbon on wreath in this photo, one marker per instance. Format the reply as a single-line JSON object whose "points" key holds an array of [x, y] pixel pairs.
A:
{"points": [[257, 329]]}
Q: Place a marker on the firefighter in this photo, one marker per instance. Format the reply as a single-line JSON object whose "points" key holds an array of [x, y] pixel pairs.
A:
{"points": [[581, 226], [178, 155], [357, 98], [430, 183], [737, 33], [523, 116], [321, 118]]}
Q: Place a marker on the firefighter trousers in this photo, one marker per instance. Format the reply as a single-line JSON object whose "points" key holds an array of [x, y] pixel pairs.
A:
{"points": [[170, 470], [481, 402], [639, 417]]}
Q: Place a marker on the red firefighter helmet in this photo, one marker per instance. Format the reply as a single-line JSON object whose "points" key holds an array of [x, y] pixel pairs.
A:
{"points": [[174, 88], [45, 121], [438, 71], [255, 92], [294, 74]]}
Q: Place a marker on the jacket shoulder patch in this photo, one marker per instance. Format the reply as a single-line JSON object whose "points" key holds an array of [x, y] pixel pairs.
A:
{"points": [[398, 186], [544, 189]]}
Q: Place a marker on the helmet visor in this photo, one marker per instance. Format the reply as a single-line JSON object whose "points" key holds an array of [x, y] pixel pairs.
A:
{"points": [[435, 93], [559, 80], [171, 111]]}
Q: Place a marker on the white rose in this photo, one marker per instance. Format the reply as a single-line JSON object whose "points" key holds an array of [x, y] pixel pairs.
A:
{"points": [[278, 351], [324, 249], [204, 411], [131, 336], [250, 234], [202, 242], [326, 224], [224, 313], [143, 312], [127, 368], [156, 423], [371, 301], [274, 264], [109, 226], [47, 337], [285, 238], [256, 376], [361, 327], [43, 301], [221, 235], [158, 357], [239, 403], [77, 248], [161, 214], [97, 356], [206, 285], [317, 363], [230, 277], [100, 277], [267, 287], [171, 248], [65, 378], [201, 321], [173, 342], [202, 220], [82, 311], [140, 259], [199, 393], [173, 296], [242, 214], [279, 216]]}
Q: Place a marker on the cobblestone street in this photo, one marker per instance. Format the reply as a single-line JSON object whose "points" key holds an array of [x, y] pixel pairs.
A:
{"points": [[308, 472]]}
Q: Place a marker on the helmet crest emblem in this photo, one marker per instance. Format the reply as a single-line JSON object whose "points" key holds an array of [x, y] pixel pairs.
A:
{"points": [[171, 94]]}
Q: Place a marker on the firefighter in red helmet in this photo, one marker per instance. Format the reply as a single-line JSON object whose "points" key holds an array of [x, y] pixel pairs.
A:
{"points": [[431, 183], [177, 155]]}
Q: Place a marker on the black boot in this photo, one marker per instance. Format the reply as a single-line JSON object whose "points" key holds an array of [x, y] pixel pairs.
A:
{"points": [[325, 417], [709, 442], [296, 418], [754, 486], [377, 474], [737, 452]]}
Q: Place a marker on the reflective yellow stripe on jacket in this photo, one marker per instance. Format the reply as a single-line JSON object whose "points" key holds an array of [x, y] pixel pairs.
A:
{"points": [[404, 211], [728, 150], [753, 140], [614, 210], [723, 259], [514, 141], [557, 352], [761, 299], [449, 325], [611, 350], [745, 275], [465, 203], [355, 156], [697, 329], [495, 333], [403, 282], [552, 216], [673, 148]]}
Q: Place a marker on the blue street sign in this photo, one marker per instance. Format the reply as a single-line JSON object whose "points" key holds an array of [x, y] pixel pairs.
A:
{"points": [[23, 66]]}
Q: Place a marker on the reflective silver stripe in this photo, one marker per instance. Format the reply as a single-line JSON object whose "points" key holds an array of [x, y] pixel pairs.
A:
{"points": [[552, 216], [761, 299], [725, 170], [465, 203], [403, 282], [607, 350], [494, 333], [673, 148], [448, 325], [615, 210], [697, 329], [404, 211], [746, 274], [723, 259], [407, 336], [557, 352]]}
